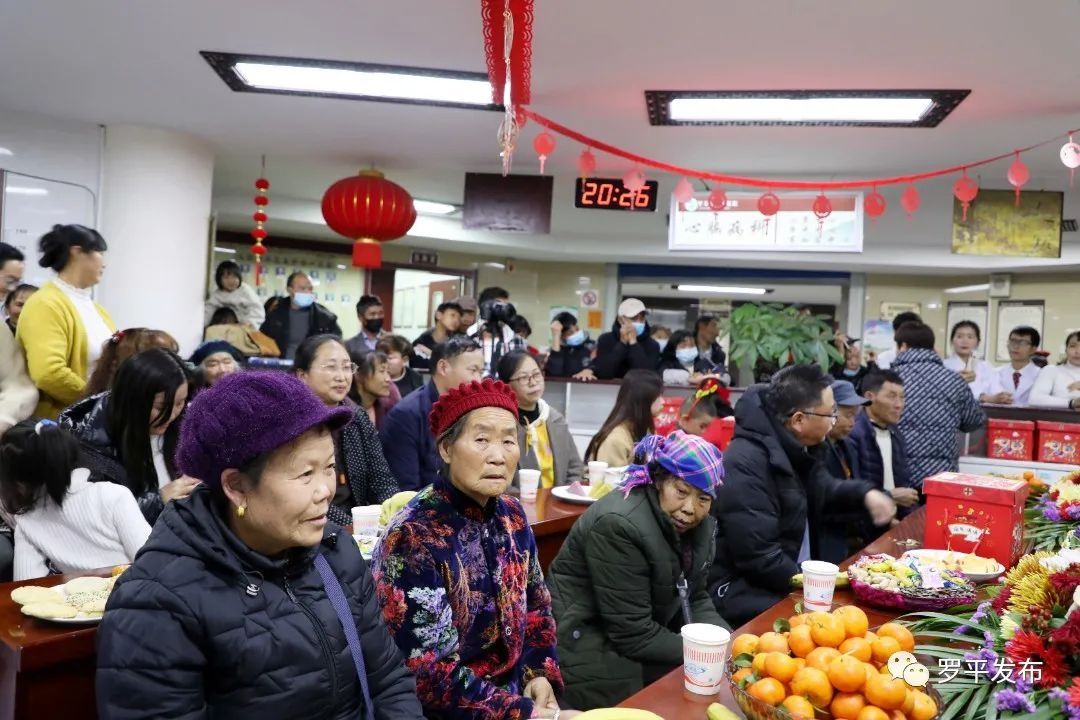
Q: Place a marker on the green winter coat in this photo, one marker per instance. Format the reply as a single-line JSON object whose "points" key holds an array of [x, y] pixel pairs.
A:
{"points": [[615, 595]]}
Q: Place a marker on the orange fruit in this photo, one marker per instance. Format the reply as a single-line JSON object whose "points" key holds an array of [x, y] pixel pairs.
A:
{"points": [[768, 690], [773, 642], [909, 702], [827, 630], [800, 663], [883, 648], [899, 633], [847, 706], [897, 715], [758, 665], [858, 648], [780, 666], [924, 707], [813, 684], [855, 621], [870, 636], [740, 674], [846, 674], [745, 643], [886, 692], [796, 620], [798, 707], [870, 670], [872, 713], [821, 657], [800, 641]]}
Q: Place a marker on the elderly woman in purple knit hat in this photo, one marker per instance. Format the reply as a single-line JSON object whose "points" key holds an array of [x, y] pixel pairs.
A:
{"points": [[635, 569], [245, 601]]}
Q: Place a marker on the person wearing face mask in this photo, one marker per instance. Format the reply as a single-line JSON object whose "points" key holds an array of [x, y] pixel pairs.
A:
{"points": [[372, 317], [634, 569], [681, 362], [571, 350], [129, 434], [980, 375], [628, 346], [661, 334], [290, 323]]}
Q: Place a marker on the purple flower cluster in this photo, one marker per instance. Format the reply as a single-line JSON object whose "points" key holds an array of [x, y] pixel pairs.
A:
{"points": [[1072, 512], [1062, 696], [978, 615], [1049, 509], [1013, 701]]}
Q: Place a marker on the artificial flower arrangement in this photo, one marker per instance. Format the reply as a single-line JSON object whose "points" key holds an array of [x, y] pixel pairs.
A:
{"points": [[1052, 518], [1015, 655]]}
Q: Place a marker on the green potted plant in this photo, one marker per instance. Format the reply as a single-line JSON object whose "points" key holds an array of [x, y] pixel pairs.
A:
{"points": [[768, 336]]}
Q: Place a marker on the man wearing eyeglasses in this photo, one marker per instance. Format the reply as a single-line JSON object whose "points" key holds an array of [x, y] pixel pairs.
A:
{"points": [[776, 489], [1018, 377]]}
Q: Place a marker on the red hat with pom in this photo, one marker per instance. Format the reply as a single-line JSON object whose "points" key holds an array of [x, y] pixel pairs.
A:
{"points": [[465, 398]]}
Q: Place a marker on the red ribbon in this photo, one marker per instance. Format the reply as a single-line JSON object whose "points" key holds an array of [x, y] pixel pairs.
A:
{"points": [[765, 182], [520, 51]]}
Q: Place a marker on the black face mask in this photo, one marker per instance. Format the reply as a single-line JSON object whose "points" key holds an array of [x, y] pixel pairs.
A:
{"points": [[374, 326]]}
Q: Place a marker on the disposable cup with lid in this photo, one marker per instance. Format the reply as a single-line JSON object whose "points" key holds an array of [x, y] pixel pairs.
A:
{"points": [[705, 649]]}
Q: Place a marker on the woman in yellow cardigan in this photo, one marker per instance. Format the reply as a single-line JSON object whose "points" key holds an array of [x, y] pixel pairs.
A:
{"points": [[62, 329]]}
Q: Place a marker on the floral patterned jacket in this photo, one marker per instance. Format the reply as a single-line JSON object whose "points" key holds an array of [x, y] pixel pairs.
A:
{"points": [[464, 597]]}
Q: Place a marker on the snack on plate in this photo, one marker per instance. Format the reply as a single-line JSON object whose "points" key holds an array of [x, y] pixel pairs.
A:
{"points": [[50, 610], [30, 594], [908, 583], [599, 490], [88, 585]]}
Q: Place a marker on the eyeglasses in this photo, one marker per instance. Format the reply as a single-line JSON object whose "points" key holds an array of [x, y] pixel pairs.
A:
{"points": [[534, 379], [1019, 343], [831, 416], [344, 369]]}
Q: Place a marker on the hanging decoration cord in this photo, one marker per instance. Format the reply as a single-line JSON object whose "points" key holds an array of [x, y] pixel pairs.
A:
{"points": [[766, 182]]}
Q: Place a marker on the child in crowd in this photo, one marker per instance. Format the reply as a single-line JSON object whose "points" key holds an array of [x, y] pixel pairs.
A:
{"points": [[711, 401], [63, 522], [232, 292], [14, 302], [398, 353]]}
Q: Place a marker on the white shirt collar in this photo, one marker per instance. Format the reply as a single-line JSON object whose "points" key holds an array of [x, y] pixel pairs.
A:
{"points": [[71, 289], [80, 478]]}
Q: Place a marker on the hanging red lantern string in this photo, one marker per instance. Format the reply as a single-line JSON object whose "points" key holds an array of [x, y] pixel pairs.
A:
{"points": [[874, 205], [910, 200], [544, 145], [508, 48], [262, 185], [1018, 176], [769, 183], [965, 189]]}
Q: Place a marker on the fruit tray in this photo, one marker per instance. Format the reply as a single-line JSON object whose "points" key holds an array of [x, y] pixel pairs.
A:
{"points": [[909, 603]]}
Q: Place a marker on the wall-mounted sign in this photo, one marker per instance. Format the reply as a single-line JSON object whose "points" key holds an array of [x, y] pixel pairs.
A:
{"points": [[611, 194], [696, 225], [590, 299], [424, 257]]}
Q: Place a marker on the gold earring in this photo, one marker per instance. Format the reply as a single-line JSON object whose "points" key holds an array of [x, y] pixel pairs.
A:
{"points": [[240, 510]]}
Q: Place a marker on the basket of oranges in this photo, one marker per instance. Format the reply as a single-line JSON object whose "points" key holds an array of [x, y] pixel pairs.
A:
{"points": [[821, 665]]}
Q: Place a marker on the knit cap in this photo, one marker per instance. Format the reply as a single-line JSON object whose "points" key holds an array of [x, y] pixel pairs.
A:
{"points": [[467, 397]]}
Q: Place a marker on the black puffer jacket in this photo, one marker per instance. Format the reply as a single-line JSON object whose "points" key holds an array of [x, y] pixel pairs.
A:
{"points": [[772, 488], [87, 421], [201, 626]]}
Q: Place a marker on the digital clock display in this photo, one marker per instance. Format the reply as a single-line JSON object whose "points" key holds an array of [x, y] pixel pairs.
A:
{"points": [[611, 194]]}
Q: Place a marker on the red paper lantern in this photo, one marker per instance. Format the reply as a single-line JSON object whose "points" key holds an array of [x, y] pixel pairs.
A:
{"points": [[768, 204], [822, 207], [369, 209], [259, 216], [683, 191], [261, 200], [718, 199], [1018, 176], [262, 184], [586, 164], [965, 191], [1070, 158], [874, 205], [634, 180], [544, 145], [910, 200], [259, 233]]}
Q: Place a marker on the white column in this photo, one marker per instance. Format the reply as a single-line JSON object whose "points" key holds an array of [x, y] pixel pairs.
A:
{"points": [[155, 216], [856, 305]]}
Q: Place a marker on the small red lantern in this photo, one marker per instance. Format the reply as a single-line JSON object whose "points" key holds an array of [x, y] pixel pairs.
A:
{"points": [[683, 191], [874, 205], [586, 163], [259, 233], [718, 199], [768, 204], [822, 207], [634, 180], [910, 200], [965, 191], [370, 209], [544, 145], [1018, 176]]}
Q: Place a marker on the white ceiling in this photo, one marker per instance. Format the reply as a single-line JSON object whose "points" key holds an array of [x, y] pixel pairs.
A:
{"points": [[121, 61]]}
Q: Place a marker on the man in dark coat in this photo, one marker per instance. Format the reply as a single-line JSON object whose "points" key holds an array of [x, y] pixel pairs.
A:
{"points": [[289, 324], [843, 464], [770, 507], [628, 346], [571, 350]]}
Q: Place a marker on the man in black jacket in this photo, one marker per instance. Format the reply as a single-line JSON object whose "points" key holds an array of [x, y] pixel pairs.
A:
{"points": [[571, 350], [841, 462], [628, 346], [289, 324], [775, 491]]}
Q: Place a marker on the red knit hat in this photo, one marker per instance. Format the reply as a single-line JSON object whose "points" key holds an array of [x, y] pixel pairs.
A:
{"points": [[465, 398]]}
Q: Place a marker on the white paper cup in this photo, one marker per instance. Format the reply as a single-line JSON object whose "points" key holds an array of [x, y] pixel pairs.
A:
{"points": [[528, 482], [819, 583], [365, 519], [705, 649], [596, 471]]}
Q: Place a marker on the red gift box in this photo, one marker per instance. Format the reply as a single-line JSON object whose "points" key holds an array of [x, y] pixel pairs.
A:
{"points": [[1059, 442], [1011, 439], [975, 514]]}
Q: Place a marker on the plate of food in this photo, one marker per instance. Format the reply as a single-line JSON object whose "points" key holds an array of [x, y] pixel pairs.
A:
{"points": [[77, 602], [974, 568], [580, 494], [908, 584]]}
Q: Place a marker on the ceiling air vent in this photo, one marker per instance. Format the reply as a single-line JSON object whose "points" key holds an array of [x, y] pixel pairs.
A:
{"points": [[1068, 225]]}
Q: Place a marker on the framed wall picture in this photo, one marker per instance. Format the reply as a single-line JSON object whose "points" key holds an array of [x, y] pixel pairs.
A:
{"points": [[1011, 314], [890, 310]]}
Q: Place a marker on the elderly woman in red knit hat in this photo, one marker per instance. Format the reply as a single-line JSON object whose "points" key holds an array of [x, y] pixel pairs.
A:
{"points": [[459, 577]]}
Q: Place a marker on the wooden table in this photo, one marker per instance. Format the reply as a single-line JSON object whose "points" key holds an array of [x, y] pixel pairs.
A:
{"points": [[46, 669], [551, 520], [668, 698]]}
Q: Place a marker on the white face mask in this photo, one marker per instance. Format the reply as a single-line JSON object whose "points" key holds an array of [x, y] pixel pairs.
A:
{"points": [[662, 342]]}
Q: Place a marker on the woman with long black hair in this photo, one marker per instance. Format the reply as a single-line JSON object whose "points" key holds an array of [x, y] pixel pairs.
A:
{"points": [[128, 434], [640, 399]]}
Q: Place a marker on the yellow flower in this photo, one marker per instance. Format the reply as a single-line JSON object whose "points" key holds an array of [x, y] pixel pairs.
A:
{"points": [[1008, 627], [1027, 565], [1029, 592]]}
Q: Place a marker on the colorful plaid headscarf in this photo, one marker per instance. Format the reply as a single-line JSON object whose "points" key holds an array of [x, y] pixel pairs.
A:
{"points": [[690, 458]]}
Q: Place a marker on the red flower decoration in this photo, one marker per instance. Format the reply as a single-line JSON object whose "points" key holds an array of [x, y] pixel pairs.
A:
{"points": [[1027, 646], [1067, 637], [1064, 584], [1074, 692], [1002, 600]]}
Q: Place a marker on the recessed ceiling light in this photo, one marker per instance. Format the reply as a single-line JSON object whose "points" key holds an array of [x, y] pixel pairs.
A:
{"points": [[17, 190], [342, 267], [227, 251], [726, 290], [968, 288], [5, 151], [354, 81], [869, 108], [428, 207]]}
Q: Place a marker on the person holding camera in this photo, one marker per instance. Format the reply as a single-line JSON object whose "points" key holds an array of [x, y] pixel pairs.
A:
{"points": [[494, 332]]}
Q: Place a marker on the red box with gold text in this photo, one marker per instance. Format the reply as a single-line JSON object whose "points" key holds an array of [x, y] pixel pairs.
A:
{"points": [[1010, 439], [1059, 442], [975, 514]]}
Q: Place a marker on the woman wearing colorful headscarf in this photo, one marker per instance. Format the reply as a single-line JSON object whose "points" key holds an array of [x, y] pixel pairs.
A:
{"points": [[459, 577], [634, 570]]}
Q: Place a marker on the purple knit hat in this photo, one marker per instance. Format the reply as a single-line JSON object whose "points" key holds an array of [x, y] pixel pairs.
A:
{"points": [[244, 415]]}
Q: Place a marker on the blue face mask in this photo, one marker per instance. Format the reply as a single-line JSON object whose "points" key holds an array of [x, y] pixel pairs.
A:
{"points": [[639, 328], [304, 300], [686, 355], [577, 339], [848, 372]]}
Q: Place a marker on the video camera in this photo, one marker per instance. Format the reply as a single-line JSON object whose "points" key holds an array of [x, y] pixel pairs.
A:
{"points": [[494, 312]]}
